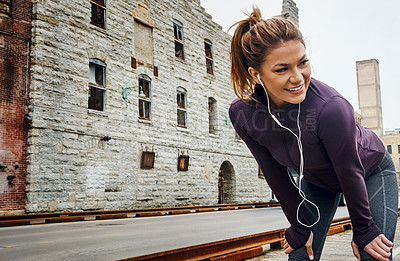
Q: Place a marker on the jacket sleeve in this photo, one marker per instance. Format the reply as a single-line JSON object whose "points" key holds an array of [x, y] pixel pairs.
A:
{"points": [[280, 183], [338, 132]]}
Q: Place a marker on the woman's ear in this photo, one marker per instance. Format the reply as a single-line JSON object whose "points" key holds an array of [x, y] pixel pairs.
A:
{"points": [[253, 73]]}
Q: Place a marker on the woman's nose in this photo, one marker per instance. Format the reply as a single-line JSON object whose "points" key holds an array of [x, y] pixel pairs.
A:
{"points": [[296, 77]]}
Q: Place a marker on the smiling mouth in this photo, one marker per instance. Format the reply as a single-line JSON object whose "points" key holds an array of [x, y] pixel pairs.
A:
{"points": [[294, 89]]}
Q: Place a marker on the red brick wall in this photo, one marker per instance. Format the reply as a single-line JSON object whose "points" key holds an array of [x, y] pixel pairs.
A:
{"points": [[15, 35]]}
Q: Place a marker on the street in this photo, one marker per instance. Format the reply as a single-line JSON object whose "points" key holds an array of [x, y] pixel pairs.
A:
{"points": [[114, 239]]}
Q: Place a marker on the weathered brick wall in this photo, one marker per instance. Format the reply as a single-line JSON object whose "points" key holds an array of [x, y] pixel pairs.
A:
{"points": [[15, 31], [71, 168]]}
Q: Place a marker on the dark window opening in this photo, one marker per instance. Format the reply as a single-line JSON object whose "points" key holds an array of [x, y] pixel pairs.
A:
{"points": [[398, 149], [97, 83], [209, 64], [179, 50], [96, 99], [144, 97], [144, 109], [178, 31], [389, 148], [181, 118], [98, 12], [178, 34], [133, 62], [181, 100], [181, 107], [99, 75], [5, 7], [212, 115], [209, 57]]}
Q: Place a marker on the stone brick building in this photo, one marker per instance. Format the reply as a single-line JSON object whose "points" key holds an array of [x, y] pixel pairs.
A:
{"points": [[129, 102], [15, 36]]}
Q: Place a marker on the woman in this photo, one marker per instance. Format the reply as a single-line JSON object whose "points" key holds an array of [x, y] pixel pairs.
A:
{"points": [[290, 120]]}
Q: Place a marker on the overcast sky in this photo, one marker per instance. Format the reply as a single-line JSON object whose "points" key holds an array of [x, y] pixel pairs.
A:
{"points": [[338, 33]]}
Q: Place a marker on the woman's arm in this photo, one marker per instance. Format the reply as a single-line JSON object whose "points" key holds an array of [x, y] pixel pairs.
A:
{"points": [[338, 132]]}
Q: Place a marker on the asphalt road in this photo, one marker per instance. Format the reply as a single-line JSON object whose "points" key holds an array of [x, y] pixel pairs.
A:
{"points": [[115, 239]]}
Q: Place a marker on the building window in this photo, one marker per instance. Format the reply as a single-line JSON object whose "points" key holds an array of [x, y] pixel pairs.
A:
{"points": [[178, 33], [209, 56], [97, 84], [398, 149], [144, 97], [212, 115], [98, 12], [181, 98], [389, 148], [5, 8]]}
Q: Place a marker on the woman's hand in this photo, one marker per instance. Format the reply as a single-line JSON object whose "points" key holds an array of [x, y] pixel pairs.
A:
{"points": [[379, 248], [287, 248]]}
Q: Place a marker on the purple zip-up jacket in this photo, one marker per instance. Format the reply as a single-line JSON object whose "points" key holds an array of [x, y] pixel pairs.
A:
{"points": [[338, 154]]}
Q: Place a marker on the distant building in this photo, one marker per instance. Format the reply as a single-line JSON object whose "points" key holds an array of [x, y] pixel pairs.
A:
{"points": [[392, 144], [371, 116], [369, 95]]}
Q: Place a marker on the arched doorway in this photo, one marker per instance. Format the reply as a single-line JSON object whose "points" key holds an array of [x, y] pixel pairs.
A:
{"points": [[226, 183]]}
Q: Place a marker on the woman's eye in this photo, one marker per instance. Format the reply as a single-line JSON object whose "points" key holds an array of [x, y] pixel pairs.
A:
{"points": [[304, 62], [281, 70]]}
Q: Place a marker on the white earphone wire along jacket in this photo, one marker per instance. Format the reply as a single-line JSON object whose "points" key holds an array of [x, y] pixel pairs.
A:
{"points": [[300, 145]]}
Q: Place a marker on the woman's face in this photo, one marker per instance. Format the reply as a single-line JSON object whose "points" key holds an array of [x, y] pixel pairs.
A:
{"points": [[285, 73]]}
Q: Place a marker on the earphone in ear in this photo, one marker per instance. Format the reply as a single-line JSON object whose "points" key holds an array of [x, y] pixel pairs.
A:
{"points": [[272, 115], [258, 77]]}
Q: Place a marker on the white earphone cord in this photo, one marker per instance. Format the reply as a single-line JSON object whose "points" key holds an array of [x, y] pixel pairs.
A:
{"points": [[300, 145]]}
